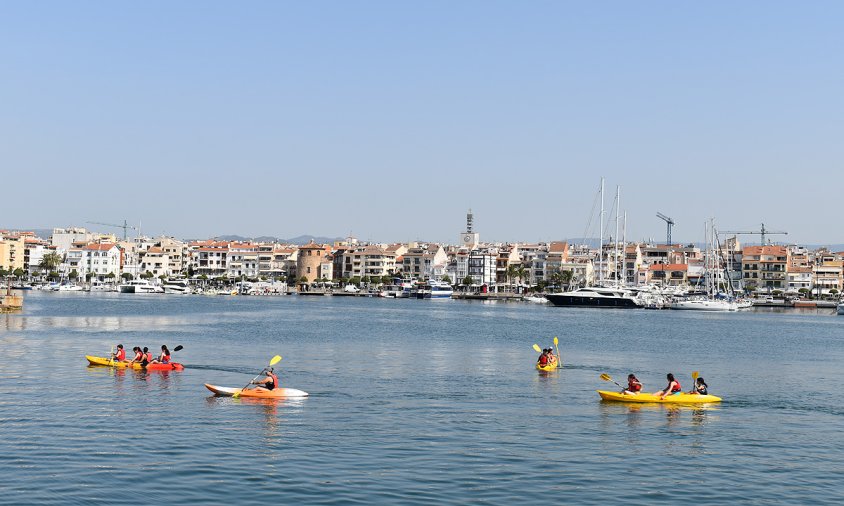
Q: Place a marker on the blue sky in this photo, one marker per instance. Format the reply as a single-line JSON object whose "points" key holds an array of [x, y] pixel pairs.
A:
{"points": [[390, 119]]}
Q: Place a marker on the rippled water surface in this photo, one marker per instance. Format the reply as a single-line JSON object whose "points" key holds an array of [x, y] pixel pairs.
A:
{"points": [[414, 402]]}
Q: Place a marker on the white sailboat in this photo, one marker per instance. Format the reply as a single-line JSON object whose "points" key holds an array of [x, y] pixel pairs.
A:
{"points": [[711, 300]]}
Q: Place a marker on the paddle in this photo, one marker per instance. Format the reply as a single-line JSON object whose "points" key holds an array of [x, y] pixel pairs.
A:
{"points": [[537, 348], [559, 358], [607, 377], [276, 359], [695, 374]]}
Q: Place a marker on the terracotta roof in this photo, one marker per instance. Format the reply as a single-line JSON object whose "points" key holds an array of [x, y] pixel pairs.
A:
{"points": [[558, 247], [765, 250], [100, 246], [155, 249]]}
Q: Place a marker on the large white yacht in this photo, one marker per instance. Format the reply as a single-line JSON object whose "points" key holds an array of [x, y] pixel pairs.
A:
{"points": [[705, 304], [139, 286], [596, 296]]}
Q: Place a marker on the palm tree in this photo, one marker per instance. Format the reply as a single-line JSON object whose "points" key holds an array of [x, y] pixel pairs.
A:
{"points": [[50, 261]]}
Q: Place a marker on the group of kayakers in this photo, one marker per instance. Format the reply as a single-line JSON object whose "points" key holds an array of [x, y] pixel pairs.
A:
{"points": [[634, 386], [547, 358], [142, 355]]}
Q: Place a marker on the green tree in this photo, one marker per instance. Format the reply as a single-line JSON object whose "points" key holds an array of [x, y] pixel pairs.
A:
{"points": [[50, 261], [446, 279], [355, 280], [73, 274], [126, 276], [88, 276], [3, 272], [53, 275], [468, 280], [18, 273], [386, 279], [110, 275], [303, 279]]}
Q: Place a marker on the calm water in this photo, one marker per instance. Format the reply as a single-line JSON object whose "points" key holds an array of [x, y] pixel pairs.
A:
{"points": [[414, 402]]}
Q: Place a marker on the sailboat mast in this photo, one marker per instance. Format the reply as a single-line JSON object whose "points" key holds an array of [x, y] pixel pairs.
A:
{"points": [[624, 248], [601, 245], [615, 241]]}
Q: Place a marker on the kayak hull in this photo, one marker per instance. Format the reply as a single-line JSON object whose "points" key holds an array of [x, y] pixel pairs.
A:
{"points": [[547, 368], [276, 393], [172, 366], [683, 398]]}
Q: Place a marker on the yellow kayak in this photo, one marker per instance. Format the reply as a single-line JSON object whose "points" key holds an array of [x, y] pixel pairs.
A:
{"points": [[682, 398], [547, 368]]}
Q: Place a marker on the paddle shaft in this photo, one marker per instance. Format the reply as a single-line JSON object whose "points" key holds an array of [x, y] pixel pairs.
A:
{"points": [[559, 359]]}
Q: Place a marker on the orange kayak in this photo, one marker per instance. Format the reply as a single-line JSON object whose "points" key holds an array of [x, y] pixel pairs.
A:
{"points": [[260, 393]]}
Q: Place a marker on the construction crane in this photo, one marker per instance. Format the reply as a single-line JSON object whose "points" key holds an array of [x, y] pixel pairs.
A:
{"points": [[762, 232], [125, 226], [669, 223]]}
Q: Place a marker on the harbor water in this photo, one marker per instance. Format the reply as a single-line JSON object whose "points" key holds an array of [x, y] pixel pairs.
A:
{"points": [[414, 401]]}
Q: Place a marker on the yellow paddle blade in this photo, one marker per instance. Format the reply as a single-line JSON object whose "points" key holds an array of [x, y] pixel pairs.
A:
{"points": [[695, 374], [537, 348], [556, 341], [276, 359], [606, 377]]}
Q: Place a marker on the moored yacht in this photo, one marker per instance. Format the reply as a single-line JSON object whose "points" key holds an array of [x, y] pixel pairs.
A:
{"points": [[841, 308], [596, 296], [433, 290], [705, 304], [179, 286], [139, 286]]}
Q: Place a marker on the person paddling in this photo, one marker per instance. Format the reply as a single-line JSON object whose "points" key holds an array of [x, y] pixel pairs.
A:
{"points": [[269, 382], [164, 358], [120, 355], [543, 358], [147, 357], [139, 355], [552, 359], [634, 386], [700, 387], [672, 388]]}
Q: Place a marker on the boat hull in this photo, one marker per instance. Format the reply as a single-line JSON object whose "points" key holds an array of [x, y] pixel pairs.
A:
{"points": [[682, 398], [276, 393], [705, 305], [172, 366], [563, 300], [547, 368]]}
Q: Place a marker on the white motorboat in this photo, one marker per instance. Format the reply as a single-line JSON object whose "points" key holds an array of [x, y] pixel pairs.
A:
{"points": [[139, 286], [841, 308], [433, 290], [69, 288], [179, 286]]}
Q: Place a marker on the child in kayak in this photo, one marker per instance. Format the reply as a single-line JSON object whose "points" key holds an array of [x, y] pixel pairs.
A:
{"points": [[634, 386], [269, 382], [552, 359], [147, 357], [672, 388], [120, 355], [543, 359], [139, 355], [164, 358], [701, 387]]}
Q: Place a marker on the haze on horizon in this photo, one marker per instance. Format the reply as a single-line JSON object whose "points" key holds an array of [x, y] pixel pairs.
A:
{"points": [[389, 120]]}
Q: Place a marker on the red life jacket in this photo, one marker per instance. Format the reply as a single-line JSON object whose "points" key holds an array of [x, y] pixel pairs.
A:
{"points": [[139, 356], [165, 359], [275, 381], [149, 356], [121, 355], [634, 386], [543, 360], [676, 387]]}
